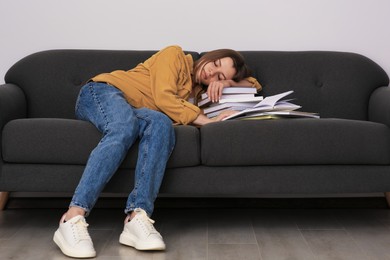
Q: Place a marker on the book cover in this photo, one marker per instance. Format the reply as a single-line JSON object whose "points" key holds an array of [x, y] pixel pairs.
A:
{"points": [[235, 90], [234, 99], [231, 98]]}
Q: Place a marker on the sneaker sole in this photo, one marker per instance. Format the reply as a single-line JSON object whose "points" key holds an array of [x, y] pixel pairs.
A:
{"points": [[129, 240], [67, 250]]}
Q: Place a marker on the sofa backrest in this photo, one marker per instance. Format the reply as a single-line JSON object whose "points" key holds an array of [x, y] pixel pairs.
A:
{"points": [[334, 84], [51, 80]]}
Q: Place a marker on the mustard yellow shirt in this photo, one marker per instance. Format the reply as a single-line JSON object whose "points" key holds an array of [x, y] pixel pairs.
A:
{"points": [[163, 83]]}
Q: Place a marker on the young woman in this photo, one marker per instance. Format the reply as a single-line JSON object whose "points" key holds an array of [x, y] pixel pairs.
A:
{"points": [[142, 103]]}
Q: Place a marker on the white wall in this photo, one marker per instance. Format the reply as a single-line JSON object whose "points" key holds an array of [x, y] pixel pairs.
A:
{"points": [[360, 26]]}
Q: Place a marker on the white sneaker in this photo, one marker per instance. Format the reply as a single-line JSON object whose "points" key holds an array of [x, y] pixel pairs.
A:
{"points": [[73, 239], [141, 234]]}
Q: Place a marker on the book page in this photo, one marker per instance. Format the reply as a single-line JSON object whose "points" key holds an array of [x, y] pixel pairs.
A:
{"points": [[271, 100]]}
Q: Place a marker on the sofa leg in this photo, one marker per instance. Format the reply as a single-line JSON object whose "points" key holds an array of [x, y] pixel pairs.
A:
{"points": [[3, 199], [387, 196]]}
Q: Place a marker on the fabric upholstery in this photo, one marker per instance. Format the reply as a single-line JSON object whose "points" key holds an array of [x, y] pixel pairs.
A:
{"points": [[295, 142], [203, 181], [68, 141]]}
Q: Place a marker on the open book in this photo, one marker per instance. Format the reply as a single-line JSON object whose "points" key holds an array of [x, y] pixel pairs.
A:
{"points": [[272, 105]]}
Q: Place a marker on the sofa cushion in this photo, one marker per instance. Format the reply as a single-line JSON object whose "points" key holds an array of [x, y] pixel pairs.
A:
{"points": [[295, 142], [68, 141]]}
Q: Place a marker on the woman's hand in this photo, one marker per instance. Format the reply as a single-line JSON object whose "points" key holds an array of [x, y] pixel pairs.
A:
{"points": [[203, 120], [224, 114], [214, 90]]}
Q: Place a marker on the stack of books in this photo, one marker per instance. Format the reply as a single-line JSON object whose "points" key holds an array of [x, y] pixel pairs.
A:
{"points": [[272, 107], [233, 98]]}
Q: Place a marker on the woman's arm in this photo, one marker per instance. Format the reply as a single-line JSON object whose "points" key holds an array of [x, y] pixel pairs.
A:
{"points": [[166, 69], [214, 90], [203, 120], [242, 83]]}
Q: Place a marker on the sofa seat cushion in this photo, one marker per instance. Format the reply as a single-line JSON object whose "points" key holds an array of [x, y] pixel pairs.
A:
{"points": [[295, 142], [67, 141]]}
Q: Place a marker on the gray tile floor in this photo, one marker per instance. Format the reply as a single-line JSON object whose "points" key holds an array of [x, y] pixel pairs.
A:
{"points": [[196, 233]]}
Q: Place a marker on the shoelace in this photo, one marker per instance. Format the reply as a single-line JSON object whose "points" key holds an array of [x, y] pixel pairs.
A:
{"points": [[151, 227], [147, 223], [80, 231]]}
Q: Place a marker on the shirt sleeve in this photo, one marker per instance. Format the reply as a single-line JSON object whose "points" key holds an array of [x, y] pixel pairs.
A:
{"points": [[255, 83], [168, 73]]}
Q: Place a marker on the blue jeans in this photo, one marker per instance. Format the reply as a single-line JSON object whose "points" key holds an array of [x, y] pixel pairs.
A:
{"points": [[121, 124]]}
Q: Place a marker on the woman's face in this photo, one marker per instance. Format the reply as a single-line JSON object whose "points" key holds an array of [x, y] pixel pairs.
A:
{"points": [[220, 69]]}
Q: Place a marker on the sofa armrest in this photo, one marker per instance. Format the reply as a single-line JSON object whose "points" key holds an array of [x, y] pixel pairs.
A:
{"points": [[379, 106], [12, 103]]}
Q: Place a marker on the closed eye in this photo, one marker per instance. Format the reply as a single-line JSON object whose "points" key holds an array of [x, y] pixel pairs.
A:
{"points": [[217, 63]]}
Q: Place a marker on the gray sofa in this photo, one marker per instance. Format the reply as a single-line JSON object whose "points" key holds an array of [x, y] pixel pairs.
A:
{"points": [[44, 149]]}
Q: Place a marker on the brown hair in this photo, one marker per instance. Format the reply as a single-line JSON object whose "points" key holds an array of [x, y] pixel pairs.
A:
{"points": [[242, 71]]}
